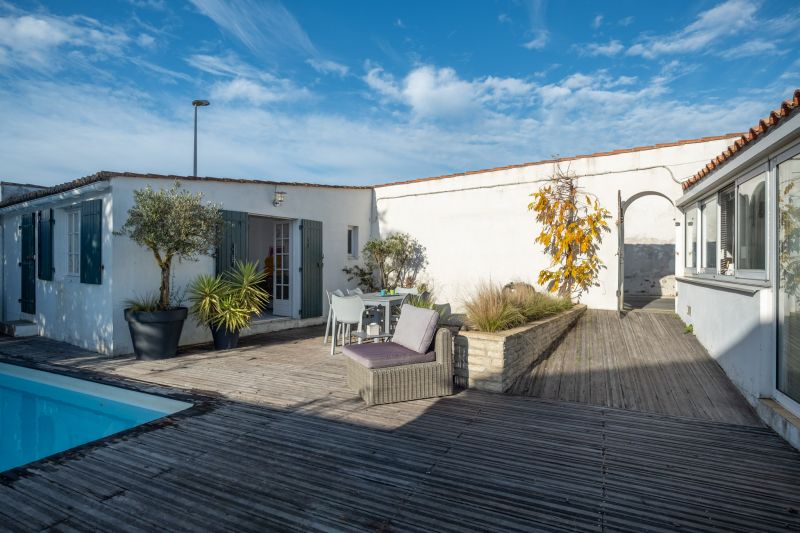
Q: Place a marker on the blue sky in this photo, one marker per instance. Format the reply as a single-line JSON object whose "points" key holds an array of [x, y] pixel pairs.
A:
{"points": [[367, 92]]}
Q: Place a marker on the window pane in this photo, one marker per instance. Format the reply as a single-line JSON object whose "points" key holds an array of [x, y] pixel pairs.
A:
{"points": [[789, 278], [710, 235], [691, 237], [727, 230], [752, 224]]}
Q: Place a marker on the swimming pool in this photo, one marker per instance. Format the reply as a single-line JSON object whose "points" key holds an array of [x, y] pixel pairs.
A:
{"points": [[42, 413]]}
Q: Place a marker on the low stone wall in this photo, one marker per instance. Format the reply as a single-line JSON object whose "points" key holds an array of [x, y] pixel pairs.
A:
{"points": [[493, 361]]}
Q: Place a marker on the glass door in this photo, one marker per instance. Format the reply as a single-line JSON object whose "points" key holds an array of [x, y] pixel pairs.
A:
{"points": [[788, 378], [281, 293]]}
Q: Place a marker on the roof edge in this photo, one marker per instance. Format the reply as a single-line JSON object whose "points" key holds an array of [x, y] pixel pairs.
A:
{"points": [[569, 158]]}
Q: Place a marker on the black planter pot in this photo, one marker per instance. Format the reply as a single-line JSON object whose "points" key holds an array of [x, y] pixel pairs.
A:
{"points": [[155, 334], [224, 339]]}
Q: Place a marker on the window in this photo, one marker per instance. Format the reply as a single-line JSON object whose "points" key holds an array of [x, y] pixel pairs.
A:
{"points": [[73, 242], [752, 227], [709, 240], [352, 241], [727, 230], [691, 238]]}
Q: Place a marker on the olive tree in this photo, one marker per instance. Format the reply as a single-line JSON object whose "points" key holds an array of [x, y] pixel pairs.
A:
{"points": [[172, 223], [395, 261]]}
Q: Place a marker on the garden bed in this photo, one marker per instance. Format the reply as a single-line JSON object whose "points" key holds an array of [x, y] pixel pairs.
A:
{"points": [[492, 361]]}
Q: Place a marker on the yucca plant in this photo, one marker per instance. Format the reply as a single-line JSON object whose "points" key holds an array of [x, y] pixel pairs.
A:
{"points": [[228, 302]]}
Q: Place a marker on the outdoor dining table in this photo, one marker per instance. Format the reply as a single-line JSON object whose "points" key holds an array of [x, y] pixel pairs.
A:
{"points": [[375, 298]]}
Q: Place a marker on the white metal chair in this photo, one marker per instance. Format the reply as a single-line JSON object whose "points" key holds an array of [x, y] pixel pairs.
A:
{"points": [[337, 292], [347, 311], [357, 290]]}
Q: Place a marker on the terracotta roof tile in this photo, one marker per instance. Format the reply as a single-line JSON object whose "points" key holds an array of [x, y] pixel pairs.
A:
{"points": [[763, 127]]}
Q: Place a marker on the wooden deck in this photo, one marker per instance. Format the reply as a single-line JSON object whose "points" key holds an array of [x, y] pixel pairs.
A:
{"points": [[642, 361], [276, 442]]}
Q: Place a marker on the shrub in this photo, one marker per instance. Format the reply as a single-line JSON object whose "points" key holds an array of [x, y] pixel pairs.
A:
{"points": [[393, 262], [229, 301], [496, 309]]}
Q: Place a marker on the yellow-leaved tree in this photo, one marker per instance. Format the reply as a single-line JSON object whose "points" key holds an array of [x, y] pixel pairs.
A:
{"points": [[572, 229]]}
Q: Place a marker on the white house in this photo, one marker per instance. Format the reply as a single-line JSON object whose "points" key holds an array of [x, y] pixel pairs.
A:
{"points": [[69, 275], [65, 270], [740, 288]]}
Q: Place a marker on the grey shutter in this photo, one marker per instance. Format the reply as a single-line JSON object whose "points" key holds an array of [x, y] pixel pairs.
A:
{"points": [[45, 245], [28, 264], [311, 269], [92, 242], [232, 245]]}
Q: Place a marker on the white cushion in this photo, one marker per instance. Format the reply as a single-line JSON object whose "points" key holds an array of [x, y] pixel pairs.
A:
{"points": [[416, 328]]}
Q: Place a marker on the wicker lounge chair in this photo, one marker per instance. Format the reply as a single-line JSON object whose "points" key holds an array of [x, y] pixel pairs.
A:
{"points": [[405, 368]]}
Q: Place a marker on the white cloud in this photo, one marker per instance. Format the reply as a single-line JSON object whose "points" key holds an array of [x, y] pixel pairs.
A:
{"points": [[725, 19], [35, 41], [223, 65], [145, 41], [609, 49], [755, 47], [539, 40], [429, 91], [627, 21], [326, 66], [253, 92], [503, 18], [597, 21]]}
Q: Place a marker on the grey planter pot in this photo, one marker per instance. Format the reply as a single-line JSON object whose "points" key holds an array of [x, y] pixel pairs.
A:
{"points": [[155, 334], [224, 339]]}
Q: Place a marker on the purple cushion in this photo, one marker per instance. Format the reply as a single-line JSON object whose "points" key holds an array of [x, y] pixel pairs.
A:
{"points": [[416, 328], [385, 354]]}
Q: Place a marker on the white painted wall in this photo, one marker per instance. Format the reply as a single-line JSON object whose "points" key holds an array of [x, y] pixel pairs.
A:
{"points": [[738, 330], [477, 226], [136, 272], [66, 309]]}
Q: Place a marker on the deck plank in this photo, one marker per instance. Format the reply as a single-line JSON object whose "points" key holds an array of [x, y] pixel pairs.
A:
{"points": [[285, 446]]}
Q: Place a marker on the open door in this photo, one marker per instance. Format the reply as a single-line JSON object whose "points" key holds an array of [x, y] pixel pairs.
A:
{"points": [[27, 264], [232, 245], [311, 269]]}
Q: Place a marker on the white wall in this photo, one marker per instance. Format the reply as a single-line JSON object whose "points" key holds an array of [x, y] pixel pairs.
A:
{"points": [[66, 309], [477, 226], [136, 272], [737, 330]]}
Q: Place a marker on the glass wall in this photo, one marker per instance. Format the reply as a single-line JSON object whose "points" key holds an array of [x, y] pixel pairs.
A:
{"points": [[691, 237], [752, 224], [709, 241], [789, 278]]}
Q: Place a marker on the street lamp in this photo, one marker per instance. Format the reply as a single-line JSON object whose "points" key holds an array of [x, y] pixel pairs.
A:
{"points": [[196, 104]]}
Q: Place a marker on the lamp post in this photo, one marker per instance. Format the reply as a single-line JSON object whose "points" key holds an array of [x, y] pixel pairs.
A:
{"points": [[196, 104]]}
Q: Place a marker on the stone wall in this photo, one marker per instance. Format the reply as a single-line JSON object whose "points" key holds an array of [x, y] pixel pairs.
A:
{"points": [[493, 361]]}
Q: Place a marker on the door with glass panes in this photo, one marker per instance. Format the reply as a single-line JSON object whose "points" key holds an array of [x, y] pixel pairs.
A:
{"points": [[281, 291]]}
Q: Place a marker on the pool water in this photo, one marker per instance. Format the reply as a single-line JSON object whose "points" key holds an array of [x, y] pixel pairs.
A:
{"points": [[42, 413]]}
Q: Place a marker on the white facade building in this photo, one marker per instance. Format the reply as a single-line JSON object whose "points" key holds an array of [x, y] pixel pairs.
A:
{"points": [[740, 288], [475, 226]]}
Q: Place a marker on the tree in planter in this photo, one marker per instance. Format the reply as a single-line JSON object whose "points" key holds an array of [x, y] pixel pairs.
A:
{"points": [[393, 262], [172, 224], [572, 230]]}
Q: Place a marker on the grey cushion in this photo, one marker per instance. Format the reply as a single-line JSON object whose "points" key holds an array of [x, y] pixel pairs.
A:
{"points": [[416, 328], [385, 354]]}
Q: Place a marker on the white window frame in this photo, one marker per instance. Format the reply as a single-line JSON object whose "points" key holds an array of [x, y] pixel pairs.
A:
{"points": [[76, 272], [687, 241], [701, 241], [700, 270], [758, 274]]}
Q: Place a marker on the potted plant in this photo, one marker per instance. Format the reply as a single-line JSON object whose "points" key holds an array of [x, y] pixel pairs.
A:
{"points": [[227, 302], [171, 224]]}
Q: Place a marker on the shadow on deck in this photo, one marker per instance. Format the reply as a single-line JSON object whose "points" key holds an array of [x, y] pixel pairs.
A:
{"points": [[286, 446]]}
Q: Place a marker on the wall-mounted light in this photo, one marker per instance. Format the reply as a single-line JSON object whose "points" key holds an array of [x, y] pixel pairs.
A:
{"points": [[278, 198]]}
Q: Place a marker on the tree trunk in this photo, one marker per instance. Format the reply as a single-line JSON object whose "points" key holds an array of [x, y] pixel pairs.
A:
{"points": [[164, 291]]}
